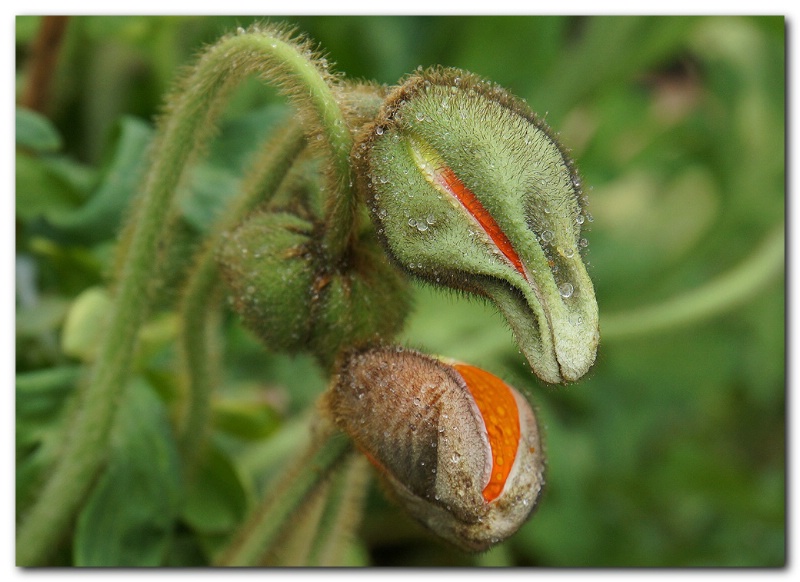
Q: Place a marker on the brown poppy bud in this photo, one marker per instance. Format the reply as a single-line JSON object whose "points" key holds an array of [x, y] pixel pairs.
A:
{"points": [[458, 447]]}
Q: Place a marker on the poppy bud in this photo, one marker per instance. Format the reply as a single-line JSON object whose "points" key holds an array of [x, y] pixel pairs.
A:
{"points": [[285, 291], [458, 447], [267, 263], [470, 190]]}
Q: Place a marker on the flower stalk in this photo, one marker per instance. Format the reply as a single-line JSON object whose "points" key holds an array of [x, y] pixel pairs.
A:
{"points": [[184, 132]]}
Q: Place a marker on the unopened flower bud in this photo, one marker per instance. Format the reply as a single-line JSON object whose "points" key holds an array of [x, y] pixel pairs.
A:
{"points": [[458, 447], [268, 265], [280, 283], [469, 189]]}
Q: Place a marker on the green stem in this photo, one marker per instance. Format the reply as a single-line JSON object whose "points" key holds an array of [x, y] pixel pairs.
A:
{"points": [[298, 534], [342, 514], [284, 501], [717, 296], [183, 133], [269, 168]]}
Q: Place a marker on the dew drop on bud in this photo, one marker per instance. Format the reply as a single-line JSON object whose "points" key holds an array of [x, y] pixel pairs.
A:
{"points": [[566, 290], [379, 130]]}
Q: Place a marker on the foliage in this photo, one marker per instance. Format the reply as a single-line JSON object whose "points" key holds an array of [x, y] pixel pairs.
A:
{"points": [[670, 452]]}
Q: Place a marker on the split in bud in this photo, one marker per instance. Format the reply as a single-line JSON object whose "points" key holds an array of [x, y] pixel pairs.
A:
{"points": [[469, 189], [458, 447]]}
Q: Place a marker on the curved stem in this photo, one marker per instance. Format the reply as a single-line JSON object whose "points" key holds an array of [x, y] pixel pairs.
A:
{"points": [[269, 168], [189, 125], [309, 472], [717, 296]]}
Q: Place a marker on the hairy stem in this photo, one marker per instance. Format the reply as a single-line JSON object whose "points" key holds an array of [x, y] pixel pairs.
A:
{"points": [[269, 168], [309, 472], [185, 130], [298, 534], [728, 290], [342, 514]]}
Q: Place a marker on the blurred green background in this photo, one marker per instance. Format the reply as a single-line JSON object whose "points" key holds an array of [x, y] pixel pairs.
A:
{"points": [[671, 452]]}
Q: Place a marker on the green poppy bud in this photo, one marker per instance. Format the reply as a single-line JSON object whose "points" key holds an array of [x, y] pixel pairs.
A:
{"points": [[470, 190], [268, 265], [366, 299], [294, 301], [455, 445]]}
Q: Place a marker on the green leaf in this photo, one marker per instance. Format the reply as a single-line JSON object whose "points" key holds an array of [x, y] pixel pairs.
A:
{"points": [[246, 418], [129, 517], [40, 400], [212, 188], [101, 216], [41, 393], [83, 328], [216, 500], [36, 132], [42, 189]]}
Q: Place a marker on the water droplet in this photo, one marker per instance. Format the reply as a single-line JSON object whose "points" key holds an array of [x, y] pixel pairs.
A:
{"points": [[416, 401], [583, 243], [430, 219], [569, 253], [422, 226], [589, 217], [420, 116], [580, 218], [240, 30], [566, 290], [547, 236], [379, 130], [412, 222], [456, 457]]}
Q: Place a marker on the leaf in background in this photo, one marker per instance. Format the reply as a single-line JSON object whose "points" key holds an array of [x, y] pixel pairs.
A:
{"points": [[36, 132], [216, 499], [42, 188], [39, 401], [249, 419], [83, 328], [99, 219], [130, 514], [211, 188], [215, 181]]}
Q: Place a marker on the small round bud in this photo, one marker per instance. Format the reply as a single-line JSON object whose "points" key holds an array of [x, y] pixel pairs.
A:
{"points": [[268, 265], [458, 447], [295, 302]]}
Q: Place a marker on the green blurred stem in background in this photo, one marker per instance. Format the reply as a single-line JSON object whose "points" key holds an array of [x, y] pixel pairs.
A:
{"points": [[719, 295]]}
